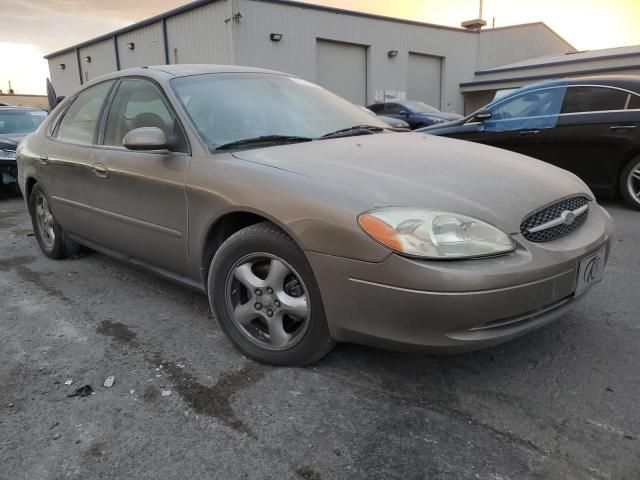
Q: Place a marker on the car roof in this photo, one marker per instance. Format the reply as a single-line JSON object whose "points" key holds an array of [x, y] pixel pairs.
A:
{"points": [[166, 72], [628, 82]]}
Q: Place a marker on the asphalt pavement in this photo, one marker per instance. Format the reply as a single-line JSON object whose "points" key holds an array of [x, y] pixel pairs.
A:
{"points": [[561, 403]]}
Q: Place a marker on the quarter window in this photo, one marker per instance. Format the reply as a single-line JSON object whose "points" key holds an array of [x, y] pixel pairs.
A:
{"points": [[79, 122], [593, 99], [138, 103], [634, 102]]}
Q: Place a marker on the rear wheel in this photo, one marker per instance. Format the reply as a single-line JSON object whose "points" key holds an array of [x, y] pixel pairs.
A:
{"points": [[630, 183], [264, 295], [53, 240]]}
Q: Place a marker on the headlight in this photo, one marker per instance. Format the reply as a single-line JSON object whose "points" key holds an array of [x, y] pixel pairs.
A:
{"points": [[434, 234], [7, 155]]}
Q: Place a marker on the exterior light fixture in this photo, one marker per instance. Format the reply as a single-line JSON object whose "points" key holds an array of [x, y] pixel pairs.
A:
{"points": [[131, 46], [275, 37], [87, 59], [62, 66], [392, 53]]}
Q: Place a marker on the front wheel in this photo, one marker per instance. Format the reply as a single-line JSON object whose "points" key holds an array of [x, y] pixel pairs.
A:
{"points": [[53, 240], [630, 183], [264, 295]]}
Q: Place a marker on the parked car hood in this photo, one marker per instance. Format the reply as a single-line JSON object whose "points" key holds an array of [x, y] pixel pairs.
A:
{"points": [[419, 170], [9, 141]]}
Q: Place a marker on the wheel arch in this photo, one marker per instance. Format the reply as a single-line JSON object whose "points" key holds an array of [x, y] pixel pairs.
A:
{"points": [[225, 225], [29, 183]]}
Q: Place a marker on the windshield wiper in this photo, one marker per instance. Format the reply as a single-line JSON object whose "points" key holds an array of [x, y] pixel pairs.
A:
{"points": [[264, 139], [355, 130]]}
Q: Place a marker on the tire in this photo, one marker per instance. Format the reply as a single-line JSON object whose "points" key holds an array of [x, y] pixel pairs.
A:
{"points": [[283, 320], [630, 183], [53, 240]]}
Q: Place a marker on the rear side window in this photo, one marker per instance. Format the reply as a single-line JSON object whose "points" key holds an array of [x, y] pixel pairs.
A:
{"points": [[138, 103], [79, 122], [394, 108], [634, 102], [593, 99]]}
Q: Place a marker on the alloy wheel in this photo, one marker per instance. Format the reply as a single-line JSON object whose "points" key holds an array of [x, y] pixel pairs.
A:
{"points": [[45, 221], [633, 182], [267, 300]]}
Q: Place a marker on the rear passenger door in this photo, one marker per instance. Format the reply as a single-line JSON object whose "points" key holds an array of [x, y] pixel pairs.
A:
{"points": [[143, 208], [66, 160], [594, 135]]}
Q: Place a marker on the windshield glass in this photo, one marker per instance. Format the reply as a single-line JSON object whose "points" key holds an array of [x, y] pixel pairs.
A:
{"points": [[421, 107], [227, 107], [20, 121]]}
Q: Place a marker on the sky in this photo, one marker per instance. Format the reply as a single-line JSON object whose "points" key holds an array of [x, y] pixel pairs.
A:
{"points": [[33, 28]]}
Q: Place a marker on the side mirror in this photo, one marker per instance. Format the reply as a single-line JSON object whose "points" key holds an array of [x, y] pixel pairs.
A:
{"points": [[482, 115], [145, 138], [404, 113]]}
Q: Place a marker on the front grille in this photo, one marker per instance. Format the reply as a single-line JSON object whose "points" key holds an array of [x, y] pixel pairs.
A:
{"points": [[554, 212]]}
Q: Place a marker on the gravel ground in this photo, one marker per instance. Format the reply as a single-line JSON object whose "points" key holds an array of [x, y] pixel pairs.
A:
{"points": [[561, 403]]}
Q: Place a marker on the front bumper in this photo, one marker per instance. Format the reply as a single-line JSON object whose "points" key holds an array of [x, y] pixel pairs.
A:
{"points": [[451, 306]]}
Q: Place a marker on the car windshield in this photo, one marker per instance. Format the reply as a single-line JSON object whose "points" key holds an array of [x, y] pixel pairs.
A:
{"points": [[20, 121], [421, 107], [229, 107]]}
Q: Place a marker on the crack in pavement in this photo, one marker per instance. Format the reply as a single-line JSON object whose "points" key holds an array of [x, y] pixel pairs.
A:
{"points": [[213, 401]]}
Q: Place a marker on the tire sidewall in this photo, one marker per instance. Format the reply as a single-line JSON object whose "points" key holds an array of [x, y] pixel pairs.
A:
{"points": [[57, 251], [316, 341], [624, 179]]}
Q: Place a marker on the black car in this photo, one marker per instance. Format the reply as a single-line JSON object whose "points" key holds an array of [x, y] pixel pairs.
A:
{"points": [[589, 126], [15, 124], [416, 114]]}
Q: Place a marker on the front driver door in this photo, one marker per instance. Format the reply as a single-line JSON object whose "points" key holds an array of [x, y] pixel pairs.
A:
{"points": [[143, 210], [518, 122]]}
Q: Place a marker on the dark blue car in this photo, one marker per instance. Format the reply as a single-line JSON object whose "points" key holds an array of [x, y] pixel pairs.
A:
{"points": [[416, 114]]}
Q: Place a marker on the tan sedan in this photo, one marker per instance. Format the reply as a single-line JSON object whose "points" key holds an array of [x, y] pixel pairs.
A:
{"points": [[304, 219]]}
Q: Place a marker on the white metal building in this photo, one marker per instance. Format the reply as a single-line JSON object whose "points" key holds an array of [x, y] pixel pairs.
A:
{"points": [[362, 57]]}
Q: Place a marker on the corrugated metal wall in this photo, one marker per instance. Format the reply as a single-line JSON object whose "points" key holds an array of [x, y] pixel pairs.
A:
{"points": [[103, 59], [201, 35], [237, 32], [148, 47], [301, 27], [67, 80]]}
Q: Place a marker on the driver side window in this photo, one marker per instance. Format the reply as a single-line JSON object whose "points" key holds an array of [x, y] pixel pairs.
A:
{"points": [[531, 104], [138, 103], [530, 110]]}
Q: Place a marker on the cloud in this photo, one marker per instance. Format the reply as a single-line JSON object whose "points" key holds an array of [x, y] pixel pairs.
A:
{"points": [[54, 24]]}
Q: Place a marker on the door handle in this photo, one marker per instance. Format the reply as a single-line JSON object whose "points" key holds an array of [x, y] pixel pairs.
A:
{"points": [[44, 159], [100, 170], [529, 132], [624, 128]]}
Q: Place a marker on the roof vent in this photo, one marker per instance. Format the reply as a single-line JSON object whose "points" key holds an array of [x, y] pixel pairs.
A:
{"points": [[476, 24]]}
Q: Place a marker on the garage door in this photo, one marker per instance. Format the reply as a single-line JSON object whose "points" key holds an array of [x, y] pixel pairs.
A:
{"points": [[424, 78], [342, 68]]}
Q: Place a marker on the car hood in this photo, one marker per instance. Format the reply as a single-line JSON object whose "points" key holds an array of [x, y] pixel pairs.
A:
{"points": [[419, 170], [9, 141]]}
